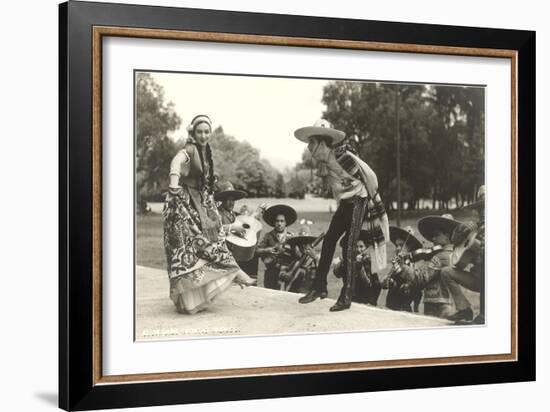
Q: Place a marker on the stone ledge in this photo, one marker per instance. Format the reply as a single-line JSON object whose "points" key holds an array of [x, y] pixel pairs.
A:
{"points": [[256, 311]]}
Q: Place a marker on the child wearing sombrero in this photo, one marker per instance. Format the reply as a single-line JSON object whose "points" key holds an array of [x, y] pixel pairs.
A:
{"points": [[301, 275], [354, 185], [400, 296], [438, 230], [367, 284], [226, 196]]}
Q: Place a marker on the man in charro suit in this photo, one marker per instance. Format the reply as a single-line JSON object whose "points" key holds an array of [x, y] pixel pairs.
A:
{"points": [[355, 188]]}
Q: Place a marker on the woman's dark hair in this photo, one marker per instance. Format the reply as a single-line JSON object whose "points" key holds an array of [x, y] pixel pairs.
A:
{"points": [[211, 176], [209, 180]]}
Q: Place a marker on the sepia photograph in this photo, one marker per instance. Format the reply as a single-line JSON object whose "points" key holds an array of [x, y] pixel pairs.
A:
{"points": [[286, 205]]}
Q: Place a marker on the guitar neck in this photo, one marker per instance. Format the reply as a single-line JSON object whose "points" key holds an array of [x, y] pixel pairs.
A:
{"points": [[318, 240], [259, 211]]}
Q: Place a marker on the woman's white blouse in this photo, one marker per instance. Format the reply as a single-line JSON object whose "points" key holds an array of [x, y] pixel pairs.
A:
{"points": [[180, 164]]}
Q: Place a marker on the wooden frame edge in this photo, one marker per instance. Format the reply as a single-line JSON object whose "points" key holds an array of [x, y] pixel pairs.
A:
{"points": [[297, 41], [514, 229], [297, 369], [97, 136], [98, 32]]}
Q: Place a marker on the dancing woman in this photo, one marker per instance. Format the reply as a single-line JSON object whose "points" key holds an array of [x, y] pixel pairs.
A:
{"points": [[200, 266]]}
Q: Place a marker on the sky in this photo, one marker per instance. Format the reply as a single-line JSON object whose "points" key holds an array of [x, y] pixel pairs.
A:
{"points": [[264, 111]]}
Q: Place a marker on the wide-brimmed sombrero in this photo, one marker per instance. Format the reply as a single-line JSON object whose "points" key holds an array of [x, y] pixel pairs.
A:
{"points": [[429, 225], [272, 212], [407, 235], [227, 190], [304, 236], [320, 128], [480, 202]]}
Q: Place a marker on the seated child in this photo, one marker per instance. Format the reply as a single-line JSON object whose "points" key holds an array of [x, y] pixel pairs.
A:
{"points": [[367, 284], [400, 295], [437, 299], [298, 274]]}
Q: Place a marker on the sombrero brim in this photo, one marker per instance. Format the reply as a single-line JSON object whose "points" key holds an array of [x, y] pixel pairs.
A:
{"points": [[304, 133], [272, 212], [428, 225], [235, 194], [412, 242], [300, 239]]}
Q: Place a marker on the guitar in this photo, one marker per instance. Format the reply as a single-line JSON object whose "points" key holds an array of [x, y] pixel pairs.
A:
{"points": [[244, 234]]}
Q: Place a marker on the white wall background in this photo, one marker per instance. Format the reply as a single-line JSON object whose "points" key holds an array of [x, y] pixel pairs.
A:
{"points": [[28, 206]]}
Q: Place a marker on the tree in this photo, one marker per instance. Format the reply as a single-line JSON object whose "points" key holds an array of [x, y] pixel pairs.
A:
{"points": [[441, 133], [155, 118], [280, 186], [241, 164]]}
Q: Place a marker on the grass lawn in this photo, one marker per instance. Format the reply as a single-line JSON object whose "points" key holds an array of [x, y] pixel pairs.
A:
{"points": [[150, 251]]}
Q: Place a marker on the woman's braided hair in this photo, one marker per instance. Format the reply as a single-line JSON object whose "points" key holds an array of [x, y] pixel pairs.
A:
{"points": [[209, 180]]}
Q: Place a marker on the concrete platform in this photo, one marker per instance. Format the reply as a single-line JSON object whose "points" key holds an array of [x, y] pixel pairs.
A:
{"points": [[255, 311]]}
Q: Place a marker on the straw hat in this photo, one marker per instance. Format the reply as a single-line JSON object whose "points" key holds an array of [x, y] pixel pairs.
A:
{"points": [[272, 212], [429, 225], [227, 190], [304, 235], [407, 235], [320, 128]]}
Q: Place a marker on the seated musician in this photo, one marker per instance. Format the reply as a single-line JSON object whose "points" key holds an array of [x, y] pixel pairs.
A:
{"points": [[400, 297], [367, 284], [298, 276], [227, 196], [271, 248], [438, 230], [469, 268]]}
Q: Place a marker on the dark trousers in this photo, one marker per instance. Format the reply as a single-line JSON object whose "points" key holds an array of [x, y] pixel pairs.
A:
{"points": [[368, 294], [250, 267], [271, 277], [397, 300], [347, 220]]}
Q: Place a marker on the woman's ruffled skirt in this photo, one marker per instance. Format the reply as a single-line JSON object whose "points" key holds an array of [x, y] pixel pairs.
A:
{"points": [[194, 293], [199, 267]]}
